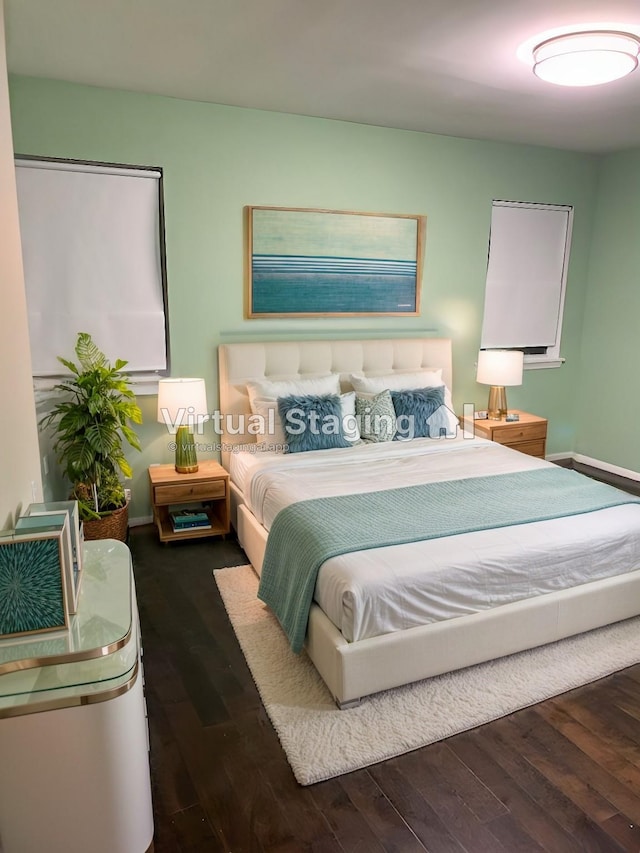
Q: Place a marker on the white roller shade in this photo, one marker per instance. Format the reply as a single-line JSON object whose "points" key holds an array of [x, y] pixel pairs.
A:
{"points": [[526, 274], [92, 258]]}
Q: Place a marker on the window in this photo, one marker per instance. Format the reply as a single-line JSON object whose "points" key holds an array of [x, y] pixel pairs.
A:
{"points": [[526, 279], [93, 250]]}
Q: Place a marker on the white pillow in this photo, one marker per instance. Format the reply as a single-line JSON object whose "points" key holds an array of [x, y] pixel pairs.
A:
{"points": [[350, 425], [427, 378], [269, 428], [271, 389]]}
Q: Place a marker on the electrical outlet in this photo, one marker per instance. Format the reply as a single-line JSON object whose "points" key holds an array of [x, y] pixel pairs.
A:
{"points": [[127, 494]]}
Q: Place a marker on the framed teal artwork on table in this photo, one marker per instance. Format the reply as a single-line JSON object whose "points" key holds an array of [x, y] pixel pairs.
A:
{"points": [[32, 584], [330, 263]]}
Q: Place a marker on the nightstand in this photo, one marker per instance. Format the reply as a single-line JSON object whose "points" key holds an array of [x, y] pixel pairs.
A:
{"points": [[528, 435], [209, 487]]}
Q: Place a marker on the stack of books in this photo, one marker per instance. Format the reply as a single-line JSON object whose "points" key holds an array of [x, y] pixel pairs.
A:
{"points": [[186, 519]]}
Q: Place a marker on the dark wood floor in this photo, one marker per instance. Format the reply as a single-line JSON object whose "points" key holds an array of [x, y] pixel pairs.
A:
{"points": [[562, 776]]}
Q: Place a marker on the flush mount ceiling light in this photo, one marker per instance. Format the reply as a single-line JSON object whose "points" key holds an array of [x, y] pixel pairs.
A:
{"points": [[586, 58]]}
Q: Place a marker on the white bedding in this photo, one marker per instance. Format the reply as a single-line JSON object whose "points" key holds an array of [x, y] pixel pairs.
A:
{"points": [[368, 593]]}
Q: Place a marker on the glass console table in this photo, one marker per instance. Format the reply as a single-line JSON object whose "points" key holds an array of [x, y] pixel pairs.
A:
{"points": [[73, 729]]}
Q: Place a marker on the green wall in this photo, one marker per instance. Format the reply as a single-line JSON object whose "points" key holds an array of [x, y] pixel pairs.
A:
{"points": [[218, 159], [610, 355]]}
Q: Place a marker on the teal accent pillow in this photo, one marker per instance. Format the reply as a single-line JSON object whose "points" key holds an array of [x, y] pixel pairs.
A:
{"points": [[376, 416], [312, 423], [414, 409]]}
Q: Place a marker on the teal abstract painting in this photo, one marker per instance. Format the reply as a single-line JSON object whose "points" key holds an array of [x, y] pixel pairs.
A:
{"points": [[32, 595], [332, 263]]}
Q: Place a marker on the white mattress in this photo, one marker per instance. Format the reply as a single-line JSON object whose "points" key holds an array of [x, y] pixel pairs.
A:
{"points": [[368, 593]]}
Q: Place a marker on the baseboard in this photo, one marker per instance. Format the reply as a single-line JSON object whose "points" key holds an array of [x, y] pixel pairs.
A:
{"points": [[627, 473], [613, 475], [142, 519], [561, 458]]}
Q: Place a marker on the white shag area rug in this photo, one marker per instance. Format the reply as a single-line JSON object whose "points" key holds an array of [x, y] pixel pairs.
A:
{"points": [[321, 742]]}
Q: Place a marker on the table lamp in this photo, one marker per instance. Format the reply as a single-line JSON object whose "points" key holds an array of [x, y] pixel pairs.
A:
{"points": [[182, 403], [498, 368]]}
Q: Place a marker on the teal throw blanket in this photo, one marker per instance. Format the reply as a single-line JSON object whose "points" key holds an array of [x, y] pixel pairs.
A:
{"points": [[306, 534]]}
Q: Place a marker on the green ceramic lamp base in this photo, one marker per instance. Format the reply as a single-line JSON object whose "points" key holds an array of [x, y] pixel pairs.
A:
{"points": [[186, 459]]}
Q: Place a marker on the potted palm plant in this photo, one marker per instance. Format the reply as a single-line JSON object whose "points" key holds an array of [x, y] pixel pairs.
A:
{"points": [[91, 421]]}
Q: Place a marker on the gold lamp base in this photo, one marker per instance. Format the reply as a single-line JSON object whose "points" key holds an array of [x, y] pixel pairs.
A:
{"points": [[186, 459], [497, 408]]}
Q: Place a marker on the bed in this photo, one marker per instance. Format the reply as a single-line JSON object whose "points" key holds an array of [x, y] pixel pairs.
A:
{"points": [[378, 619]]}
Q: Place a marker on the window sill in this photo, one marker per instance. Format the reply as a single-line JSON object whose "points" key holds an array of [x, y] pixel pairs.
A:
{"points": [[536, 363], [141, 385]]}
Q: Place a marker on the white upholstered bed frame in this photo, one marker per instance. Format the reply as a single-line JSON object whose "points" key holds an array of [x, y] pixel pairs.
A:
{"points": [[357, 669]]}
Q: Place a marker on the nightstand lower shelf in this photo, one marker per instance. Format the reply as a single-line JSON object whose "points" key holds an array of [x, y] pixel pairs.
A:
{"points": [[217, 519], [207, 490]]}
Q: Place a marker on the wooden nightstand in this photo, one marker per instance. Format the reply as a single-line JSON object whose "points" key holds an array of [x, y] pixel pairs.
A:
{"points": [[528, 435], [209, 486]]}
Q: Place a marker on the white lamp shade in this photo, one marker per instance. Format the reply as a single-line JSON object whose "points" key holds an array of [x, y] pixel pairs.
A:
{"points": [[500, 367], [182, 402]]}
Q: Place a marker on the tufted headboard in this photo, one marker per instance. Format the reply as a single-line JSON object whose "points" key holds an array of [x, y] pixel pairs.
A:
{"points": [[238, 363]]}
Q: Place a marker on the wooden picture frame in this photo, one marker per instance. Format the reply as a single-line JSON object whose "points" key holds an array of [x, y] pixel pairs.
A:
{"points": [[302, 262]]}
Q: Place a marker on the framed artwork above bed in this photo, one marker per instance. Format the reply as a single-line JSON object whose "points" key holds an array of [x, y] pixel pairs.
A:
{"points": [[330, 263]]}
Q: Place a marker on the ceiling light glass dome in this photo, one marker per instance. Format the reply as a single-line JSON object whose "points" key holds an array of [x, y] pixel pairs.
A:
{"points": [[586, 59]]}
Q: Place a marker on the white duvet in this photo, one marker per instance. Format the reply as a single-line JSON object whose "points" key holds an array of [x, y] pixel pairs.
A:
{"points": [[367, 593]]}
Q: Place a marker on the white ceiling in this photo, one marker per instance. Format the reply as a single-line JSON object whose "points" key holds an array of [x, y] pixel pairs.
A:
{"points": [[443, 66]]}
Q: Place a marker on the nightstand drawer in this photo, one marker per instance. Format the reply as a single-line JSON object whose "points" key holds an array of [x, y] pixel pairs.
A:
{"points": [[532, 448], [514, 434], [179, 492]]}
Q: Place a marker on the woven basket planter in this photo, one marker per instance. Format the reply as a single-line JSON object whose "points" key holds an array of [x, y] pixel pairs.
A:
{"points": [[113, 526]]}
